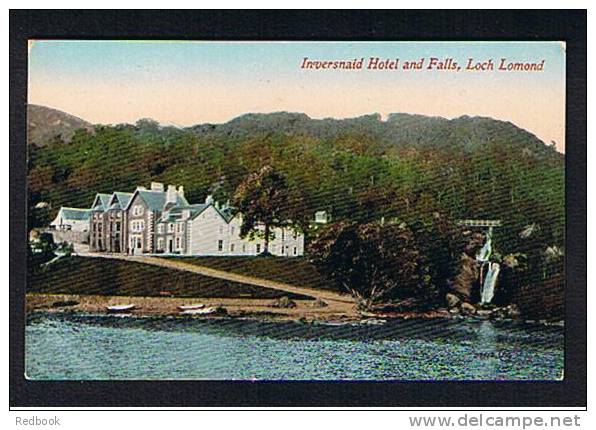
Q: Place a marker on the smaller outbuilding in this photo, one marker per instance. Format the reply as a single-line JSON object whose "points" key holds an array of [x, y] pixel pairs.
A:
{"points": [[74, 219]]}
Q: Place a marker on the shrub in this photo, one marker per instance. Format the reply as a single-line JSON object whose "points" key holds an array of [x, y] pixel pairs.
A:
{"points": [[374, 262]]}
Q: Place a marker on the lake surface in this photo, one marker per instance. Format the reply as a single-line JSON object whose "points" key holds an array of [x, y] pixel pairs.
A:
{"points": [[87, 347]]}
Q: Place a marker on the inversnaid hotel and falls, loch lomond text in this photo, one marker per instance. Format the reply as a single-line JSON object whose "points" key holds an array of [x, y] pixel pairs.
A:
{"points": [[425, 63]]}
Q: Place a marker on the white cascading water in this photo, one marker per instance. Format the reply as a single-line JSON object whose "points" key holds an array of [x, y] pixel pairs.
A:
{"points": [[486, 251], [488, 288]]}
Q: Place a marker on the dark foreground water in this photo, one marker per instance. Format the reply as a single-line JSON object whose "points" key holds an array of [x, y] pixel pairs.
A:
{"points": [[108, 347]]}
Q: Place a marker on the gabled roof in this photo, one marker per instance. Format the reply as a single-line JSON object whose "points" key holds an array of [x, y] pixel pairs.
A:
{"points": [[226, 213], [121, 198], [103, 199], [75, 214], [155, 200]]}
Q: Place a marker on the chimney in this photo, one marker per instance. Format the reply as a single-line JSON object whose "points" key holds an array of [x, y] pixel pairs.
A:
{"points": [[186, 214], [157, 186], [181, 191], [209, 199], [171, 194]]}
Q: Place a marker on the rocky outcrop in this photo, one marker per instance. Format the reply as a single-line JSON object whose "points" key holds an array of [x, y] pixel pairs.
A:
{"points": [[468, 308], [457, 306], [467, 279]]}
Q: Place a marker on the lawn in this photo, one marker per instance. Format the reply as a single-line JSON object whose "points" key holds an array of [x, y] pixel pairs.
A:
{"points": [[90, 276], [296, 271]]}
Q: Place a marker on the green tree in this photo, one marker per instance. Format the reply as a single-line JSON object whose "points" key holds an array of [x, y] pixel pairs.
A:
{"points": [[262, 198]]}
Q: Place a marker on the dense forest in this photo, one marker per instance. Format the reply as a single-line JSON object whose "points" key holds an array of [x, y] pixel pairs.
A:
{"points": [[408, 169]]}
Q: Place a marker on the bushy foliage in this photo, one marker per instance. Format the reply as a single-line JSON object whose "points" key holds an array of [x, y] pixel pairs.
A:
{"points": [[373, 262], [40, 251], [64, 249]]}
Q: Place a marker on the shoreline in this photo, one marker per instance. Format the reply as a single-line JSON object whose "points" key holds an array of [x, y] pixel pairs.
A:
{"points": [[308, 310], [259, 309], [304, 310]]}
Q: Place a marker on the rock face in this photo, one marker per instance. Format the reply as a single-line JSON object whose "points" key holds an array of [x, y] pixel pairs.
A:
{"points": [[467, 278]]}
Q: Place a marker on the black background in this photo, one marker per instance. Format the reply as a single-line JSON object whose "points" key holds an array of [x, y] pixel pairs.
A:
{"points": [[569, 26]]}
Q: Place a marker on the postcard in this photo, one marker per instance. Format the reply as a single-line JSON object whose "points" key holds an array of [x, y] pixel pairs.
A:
{"points": [[322, 211]]}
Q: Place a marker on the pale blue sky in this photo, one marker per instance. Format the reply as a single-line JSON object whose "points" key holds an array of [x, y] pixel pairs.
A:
{"points": [[191, 82]]}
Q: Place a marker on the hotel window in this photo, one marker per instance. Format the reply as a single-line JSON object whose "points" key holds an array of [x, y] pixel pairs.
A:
{"points": [[160, 228], [243, 247], [232, 230], [177, 243], [160, 244], [283, 234], [178, 227], [258, 248], [231, 247], [295, 251], [117, 226], [220, 245], [170, 228]]}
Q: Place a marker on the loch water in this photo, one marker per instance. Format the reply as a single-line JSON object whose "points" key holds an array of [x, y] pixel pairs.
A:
{"points": [[63, 346]]}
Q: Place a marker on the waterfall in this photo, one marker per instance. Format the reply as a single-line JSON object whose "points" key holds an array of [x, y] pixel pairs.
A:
{"points": [[488, 288], [486, 251]]}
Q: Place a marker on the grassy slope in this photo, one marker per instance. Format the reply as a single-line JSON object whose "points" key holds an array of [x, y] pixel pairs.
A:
{"points": [[77, 275], [294, 271]]}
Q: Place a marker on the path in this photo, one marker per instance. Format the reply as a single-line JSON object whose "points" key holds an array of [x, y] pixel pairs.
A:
{"points": [[332, 298]]}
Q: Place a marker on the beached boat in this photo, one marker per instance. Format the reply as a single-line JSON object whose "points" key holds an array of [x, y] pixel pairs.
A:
{"points": [[203, 311], [120, 308], [373, 321], [191, 307]]}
